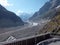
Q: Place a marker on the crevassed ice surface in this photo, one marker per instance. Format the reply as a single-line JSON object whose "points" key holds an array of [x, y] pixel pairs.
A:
{"points": [[11, 38]]}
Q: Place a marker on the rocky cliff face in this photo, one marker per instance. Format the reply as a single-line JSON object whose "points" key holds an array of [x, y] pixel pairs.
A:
{"points": [[54, 25], [9, 19], [45, 11]]}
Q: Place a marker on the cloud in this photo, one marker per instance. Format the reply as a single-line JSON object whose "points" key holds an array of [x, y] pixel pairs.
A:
{"points": [[18, 12], [5, 3]]}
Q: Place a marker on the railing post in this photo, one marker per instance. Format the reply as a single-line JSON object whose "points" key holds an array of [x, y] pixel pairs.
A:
{"points": [[35, 40], [21, 42], [26, 42]]}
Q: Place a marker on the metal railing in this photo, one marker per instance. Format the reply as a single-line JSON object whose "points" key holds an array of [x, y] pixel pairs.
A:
{"points": [[32, 40]]}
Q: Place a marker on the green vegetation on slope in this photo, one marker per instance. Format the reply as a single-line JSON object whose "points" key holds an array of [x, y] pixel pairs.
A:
{"points": [[52, 26]]}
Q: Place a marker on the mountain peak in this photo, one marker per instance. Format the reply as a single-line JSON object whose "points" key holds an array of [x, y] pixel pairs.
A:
{"points": [[2, 8], [47, 10], [8, 18]]}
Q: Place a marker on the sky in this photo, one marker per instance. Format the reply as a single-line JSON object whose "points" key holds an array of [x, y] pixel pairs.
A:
{"points": [[23, 6]]}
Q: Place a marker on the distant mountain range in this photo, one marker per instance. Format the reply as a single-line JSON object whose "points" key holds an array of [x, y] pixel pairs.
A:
{"points": [[47, 11], [9, 19], [25, 16]]}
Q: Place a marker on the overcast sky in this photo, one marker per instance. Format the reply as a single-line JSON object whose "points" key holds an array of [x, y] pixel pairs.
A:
{"points": [[20, 6]]}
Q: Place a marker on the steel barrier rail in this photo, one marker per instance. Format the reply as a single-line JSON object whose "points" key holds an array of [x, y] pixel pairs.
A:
{"points": [[48, 41]]}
